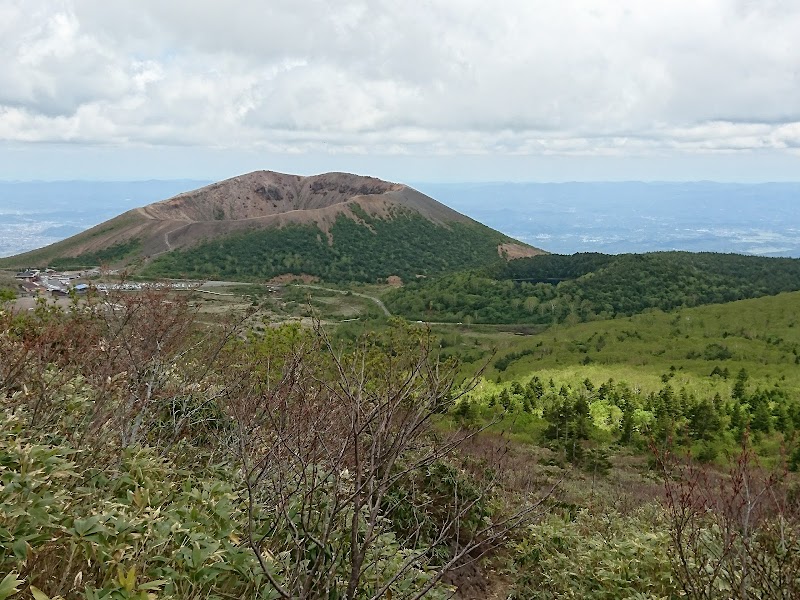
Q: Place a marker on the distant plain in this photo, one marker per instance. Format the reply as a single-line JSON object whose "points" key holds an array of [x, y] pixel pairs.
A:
{"points": [[610, 217]]}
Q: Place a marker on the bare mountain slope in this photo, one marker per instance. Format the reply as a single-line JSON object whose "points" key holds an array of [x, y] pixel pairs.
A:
{"points": [[262, 201], [266, 193]]}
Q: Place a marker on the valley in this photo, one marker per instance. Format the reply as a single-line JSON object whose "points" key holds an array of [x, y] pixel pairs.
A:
{"points": [[552, 415]]}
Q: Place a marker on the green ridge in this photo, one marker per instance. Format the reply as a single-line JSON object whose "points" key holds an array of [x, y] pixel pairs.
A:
{"points": [[582, 287]]}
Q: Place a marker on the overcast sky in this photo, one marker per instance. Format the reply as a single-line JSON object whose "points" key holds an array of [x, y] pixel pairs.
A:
{"points": [[428, 90]]}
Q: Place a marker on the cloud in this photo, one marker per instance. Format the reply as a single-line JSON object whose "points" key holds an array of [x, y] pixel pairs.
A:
{"points": [[439, 77]]}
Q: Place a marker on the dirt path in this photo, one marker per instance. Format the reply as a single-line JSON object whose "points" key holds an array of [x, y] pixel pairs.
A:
{"points": [[377, 301], [170, 232], [167, 243]]}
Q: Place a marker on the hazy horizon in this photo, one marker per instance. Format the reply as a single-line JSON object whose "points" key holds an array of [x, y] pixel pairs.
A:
{"points": [[562, 217], [415, 182]]}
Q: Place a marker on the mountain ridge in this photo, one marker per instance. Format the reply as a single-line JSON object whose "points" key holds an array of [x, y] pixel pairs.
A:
{"points": [[270, 202]]}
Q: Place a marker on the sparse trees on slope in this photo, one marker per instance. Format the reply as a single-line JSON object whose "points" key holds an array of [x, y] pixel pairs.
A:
{"points": [[734, 534], [332, 452]]}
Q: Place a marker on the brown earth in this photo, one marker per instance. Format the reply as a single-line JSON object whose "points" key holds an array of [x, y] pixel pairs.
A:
{"points": [[510, 251], [258, 200], [394, 281], [265, 193], [262, 199]]}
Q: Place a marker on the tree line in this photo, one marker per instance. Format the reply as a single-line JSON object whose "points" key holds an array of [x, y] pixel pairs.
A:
{"points": [[369, 249], [581, 287]]}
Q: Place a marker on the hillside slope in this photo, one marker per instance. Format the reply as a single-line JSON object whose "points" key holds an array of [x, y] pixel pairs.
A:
{"points": [[582, 287], [264, 224]]}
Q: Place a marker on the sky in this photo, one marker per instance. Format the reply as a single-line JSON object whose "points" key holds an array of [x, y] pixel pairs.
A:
{"points": [[419, 90]]}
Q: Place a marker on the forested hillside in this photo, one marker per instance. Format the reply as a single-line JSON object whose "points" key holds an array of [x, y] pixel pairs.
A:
{"points": [[580, 287], [405, 244], [338, 227]]}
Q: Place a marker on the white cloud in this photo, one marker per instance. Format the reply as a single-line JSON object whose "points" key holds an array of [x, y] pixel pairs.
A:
{"points": [[439, 77]]}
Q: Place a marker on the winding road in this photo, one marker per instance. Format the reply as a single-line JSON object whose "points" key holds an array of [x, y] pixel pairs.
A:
{"points": [[377, 301]]}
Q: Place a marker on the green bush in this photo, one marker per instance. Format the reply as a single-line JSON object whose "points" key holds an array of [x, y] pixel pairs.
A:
{"points": [[606, 556], [119, 532], [583, 287], [88, 513]]}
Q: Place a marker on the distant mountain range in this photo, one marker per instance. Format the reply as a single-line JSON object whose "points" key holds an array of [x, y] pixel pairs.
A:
{"points": [[261, 225]]}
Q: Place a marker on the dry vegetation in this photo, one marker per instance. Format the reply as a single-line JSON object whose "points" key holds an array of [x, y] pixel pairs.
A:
{"points": [[320, 463], [177, 446]]}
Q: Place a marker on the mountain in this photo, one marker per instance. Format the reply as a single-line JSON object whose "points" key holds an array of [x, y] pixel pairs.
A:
{"points": [[334, 226], [34, 214]]}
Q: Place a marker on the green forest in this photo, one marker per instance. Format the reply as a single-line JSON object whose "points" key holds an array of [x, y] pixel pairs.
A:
{"points": [[551, 289], [405, 244]]}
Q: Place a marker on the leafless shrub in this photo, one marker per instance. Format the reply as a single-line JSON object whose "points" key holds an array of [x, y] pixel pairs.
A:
{"points": [[161, 369], [139, 364], [322, 451], [734, 534]]}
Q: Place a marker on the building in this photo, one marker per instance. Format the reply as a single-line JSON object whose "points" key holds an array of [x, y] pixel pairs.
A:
{"points": [[28, 275], [29, 288]]}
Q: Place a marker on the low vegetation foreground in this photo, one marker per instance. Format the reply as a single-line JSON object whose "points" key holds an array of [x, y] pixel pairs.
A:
{"points": [[377, 397]]}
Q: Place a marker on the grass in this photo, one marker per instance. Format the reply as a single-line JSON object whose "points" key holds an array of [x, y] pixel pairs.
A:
{"points": [[760, 335], [280, 303], [646, 351], [683, 347]]}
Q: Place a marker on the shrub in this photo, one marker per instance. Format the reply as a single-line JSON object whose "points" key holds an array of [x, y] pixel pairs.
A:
{"points": [[594, 556], [141, 526]]}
